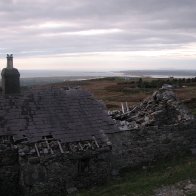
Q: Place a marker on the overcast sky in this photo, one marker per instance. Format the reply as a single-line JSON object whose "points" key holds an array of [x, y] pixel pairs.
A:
{"points": [[99, 34]]}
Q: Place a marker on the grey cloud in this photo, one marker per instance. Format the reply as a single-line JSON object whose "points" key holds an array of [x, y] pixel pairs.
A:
{"points": [[146, 25]]}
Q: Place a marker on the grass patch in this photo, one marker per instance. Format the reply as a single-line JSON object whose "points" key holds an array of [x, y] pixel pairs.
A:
{"points": [[144, 182]]}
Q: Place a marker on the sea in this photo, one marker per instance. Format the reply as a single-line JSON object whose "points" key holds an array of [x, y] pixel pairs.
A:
{"points": [[90, 74], [161, 73]]}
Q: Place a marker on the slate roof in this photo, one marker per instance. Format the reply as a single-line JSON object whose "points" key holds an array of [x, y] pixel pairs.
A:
{"points": [[66, 114]]}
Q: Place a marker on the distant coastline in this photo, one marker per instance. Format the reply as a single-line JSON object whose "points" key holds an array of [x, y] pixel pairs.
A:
{"points": [[91, 74], [37, 77], [63, 73], [160, 73]]}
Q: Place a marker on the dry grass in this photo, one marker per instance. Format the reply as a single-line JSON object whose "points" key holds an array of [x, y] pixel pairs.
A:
{"points": [[114, 91]]}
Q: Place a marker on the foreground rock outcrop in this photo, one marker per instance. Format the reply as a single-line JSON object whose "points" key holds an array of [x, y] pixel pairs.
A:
{"points": [[183, 188]]}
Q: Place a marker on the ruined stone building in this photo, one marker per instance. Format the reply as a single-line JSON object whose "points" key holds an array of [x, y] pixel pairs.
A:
{"points": [[56, 140], [50, 137]]}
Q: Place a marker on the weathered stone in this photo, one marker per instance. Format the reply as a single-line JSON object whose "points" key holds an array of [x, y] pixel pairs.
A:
{"points": [[162, 108], [193, 151], [72, 190]]}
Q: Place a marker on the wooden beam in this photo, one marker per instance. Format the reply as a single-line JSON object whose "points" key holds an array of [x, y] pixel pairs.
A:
{"points": [[36, 148], [48, 146], [96, 142], [123, 109], [80, 146], [61, 149], [127, 106]]}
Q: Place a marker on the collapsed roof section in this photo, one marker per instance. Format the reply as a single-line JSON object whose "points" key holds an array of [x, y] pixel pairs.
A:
{"points": [[68, 115], [162, 108]]}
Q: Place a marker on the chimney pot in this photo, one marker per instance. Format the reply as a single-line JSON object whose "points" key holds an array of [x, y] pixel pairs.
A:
{"points": [[10, 61]]}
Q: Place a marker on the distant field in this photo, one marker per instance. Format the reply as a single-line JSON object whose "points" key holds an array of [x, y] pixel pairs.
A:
{"points": [[115, 90]]}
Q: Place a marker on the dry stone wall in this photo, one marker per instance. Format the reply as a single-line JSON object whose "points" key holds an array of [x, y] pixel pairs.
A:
{"points": [[56, 175], [136, 147], [25, 172], [158, 127], [9, 168]]}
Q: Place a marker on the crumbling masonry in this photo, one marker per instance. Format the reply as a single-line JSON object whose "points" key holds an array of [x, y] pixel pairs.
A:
{"points": [[56, 140]]}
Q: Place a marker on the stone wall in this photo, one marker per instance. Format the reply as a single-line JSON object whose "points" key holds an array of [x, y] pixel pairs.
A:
{"points": [[56, 175], [9, 168], [48, 167], [140, 146]]}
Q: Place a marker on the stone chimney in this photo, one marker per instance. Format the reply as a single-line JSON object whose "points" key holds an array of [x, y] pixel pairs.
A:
{"points": [[10, 78], [10, 61]]}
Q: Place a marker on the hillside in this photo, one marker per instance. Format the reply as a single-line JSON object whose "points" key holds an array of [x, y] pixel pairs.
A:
{"points": [[114, 91]]}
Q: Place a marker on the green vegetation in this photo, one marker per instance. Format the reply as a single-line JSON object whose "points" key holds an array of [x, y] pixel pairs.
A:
{"points": [[144, 181]]}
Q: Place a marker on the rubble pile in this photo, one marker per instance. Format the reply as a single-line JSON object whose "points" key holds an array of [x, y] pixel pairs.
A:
{"points": [[162, 108]]}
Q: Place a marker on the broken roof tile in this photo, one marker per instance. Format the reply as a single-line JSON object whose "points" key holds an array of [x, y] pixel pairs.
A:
{"points": [[68, 115]]}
